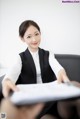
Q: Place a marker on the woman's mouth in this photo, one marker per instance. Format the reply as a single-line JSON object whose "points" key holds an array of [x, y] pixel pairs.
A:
{"points": [[34, 43]]}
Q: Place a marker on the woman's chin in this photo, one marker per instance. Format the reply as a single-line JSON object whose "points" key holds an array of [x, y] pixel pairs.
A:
{"points": [[35, 46]]}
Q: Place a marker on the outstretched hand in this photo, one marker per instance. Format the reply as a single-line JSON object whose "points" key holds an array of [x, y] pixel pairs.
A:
{"points": [[8, 85], [62, 76]]}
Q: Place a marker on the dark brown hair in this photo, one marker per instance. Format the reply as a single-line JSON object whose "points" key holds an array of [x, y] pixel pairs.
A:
{"points": [[25, 25]]}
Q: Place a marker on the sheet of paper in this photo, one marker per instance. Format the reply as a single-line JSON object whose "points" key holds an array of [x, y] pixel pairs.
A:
{"points": [[35, 93]]}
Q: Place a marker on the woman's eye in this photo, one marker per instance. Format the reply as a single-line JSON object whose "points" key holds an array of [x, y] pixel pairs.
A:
{"points": [[36, 34], [29, 37]]}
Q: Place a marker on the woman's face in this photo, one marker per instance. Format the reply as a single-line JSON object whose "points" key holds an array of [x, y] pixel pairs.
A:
{"points": [[32, 37]]}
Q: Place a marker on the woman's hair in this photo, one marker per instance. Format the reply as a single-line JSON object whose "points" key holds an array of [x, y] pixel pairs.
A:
{"points": [[25, 25]]}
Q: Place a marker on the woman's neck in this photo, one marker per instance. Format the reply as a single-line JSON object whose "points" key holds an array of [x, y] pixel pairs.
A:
{"points": [[33, 50]]}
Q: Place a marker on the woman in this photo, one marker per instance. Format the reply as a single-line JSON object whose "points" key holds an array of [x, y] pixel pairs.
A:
{"points": [[34, 65]]}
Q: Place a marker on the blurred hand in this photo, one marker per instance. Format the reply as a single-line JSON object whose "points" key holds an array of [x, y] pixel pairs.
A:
{"points": [[75, 83], [8, 85], [62, 76]]}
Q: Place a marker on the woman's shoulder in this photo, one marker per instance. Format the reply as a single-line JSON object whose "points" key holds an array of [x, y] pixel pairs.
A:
{"points": [[17, 59], [50, 52], [44, 50]]}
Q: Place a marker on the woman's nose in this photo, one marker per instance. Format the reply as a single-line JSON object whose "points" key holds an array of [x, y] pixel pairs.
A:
{"points": [[34, 39]]}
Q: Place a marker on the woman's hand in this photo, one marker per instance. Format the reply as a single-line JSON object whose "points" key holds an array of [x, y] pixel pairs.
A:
{"points": [[8, 85], [62, 76]]}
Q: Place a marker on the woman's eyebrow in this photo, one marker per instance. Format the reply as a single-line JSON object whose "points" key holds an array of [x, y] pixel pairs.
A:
{"points": [[36, 32], [32, 34], [28, 34]]}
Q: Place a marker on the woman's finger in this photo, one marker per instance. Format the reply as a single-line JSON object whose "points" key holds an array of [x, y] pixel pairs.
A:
{"points": [[12, 86], [7, 86]]}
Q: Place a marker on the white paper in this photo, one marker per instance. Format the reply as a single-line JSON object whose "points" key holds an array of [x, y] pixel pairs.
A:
{"points": [[35, 93]]}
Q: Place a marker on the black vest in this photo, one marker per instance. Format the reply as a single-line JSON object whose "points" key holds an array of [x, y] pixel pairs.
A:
{"points": [[28, 72]]}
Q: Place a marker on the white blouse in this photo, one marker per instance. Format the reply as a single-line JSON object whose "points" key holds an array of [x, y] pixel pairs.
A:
{"points": [[15, 70]]}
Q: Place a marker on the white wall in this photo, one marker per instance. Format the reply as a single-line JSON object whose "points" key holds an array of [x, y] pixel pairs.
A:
{"points": [[59, 22]]}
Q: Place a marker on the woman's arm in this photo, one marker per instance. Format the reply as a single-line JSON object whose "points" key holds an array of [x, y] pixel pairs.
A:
{"points": [[11, 77], [58, 69]]}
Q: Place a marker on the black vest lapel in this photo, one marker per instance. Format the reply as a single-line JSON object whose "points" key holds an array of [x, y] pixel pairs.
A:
{"points": [[31, 61], [41, 57]]}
